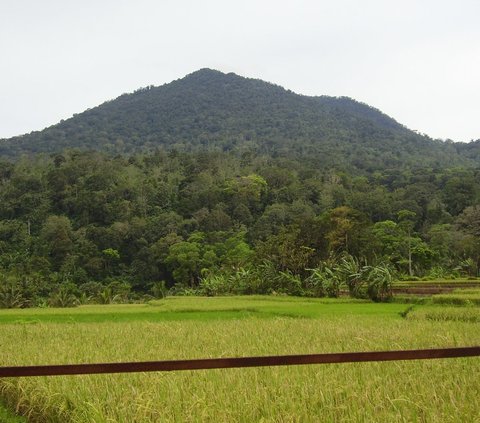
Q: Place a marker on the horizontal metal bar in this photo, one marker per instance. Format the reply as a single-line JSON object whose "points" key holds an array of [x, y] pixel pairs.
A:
{"points": [[236, 362]]}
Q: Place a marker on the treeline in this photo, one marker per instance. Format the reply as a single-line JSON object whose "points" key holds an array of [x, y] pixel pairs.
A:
{"points": [[83, 226]]}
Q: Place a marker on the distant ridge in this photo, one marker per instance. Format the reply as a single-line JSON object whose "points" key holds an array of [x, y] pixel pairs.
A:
{"points": [[213, 111]]}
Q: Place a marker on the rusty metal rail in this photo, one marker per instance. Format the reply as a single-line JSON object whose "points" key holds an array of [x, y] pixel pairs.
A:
{"points": [[236, 362]]}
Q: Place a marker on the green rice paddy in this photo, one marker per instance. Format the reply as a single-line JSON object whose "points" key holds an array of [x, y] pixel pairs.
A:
{"points": [[187, 327]]}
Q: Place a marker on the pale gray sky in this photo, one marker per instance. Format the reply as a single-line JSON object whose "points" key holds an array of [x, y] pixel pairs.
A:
{"points": [[416, 60]]}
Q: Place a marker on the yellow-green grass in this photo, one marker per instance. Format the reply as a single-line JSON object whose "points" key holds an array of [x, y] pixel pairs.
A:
{"points": [[204, 308], [464, 314], [440, 281], [429, 288], [467, 291], [413, 391], [458, 298], [446, 280], [459, 305]]}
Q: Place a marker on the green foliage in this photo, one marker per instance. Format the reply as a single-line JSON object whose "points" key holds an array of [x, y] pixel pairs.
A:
{"points": [[352, 274], [285, 251], [225, 112], [111, 254], [159, 289], [11, 294], [213, 285], [374, 282], [24, 291], [64, 296], [246, 191], [57, 238], [289, 283], [323, 281], [379, 281], [257, 220], [185, 261], [184, 291], [467, 267], [244, 281], [117, 291], [438, 272]]}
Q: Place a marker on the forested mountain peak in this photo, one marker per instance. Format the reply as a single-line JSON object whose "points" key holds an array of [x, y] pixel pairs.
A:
{"points": [[249, 184], [209, 110]]}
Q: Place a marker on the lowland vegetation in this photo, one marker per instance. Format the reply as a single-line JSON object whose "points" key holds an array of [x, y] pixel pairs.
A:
{"points": [[83, 227]]}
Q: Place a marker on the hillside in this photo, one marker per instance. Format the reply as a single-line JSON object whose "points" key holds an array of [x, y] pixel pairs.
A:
{"points": [[260, 186], [210, 110]]}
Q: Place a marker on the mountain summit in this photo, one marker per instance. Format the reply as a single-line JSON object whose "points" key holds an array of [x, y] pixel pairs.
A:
{"points": [[211, 110]]}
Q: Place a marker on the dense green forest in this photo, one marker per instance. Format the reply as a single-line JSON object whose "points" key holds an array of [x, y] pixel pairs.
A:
{"points": [[212, 111], [216, 183], [86, 225]]}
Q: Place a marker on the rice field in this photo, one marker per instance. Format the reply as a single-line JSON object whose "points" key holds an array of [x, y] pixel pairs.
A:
{"points": [[182, 328]]}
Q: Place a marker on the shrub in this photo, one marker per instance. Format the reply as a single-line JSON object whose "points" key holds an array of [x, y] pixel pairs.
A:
{"points": [[159, 289], [115, 292], [352, 274], [288, 283], [243, 281], [438, 272], [323, 281], [11, 296], [183, 290], [91, 290], [213, 285], [265, 278], [64, 296], [379, 282]]}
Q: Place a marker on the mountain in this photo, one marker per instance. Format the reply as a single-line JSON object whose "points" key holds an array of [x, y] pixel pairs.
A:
{"points": [[210, 110]]}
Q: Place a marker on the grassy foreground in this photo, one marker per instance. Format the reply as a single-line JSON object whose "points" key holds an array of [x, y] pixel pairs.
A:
{"points": [[6, 416], [178, 328]]}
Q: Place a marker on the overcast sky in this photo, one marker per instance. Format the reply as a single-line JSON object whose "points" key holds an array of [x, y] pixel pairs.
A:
{"points": [[416, 60]]}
